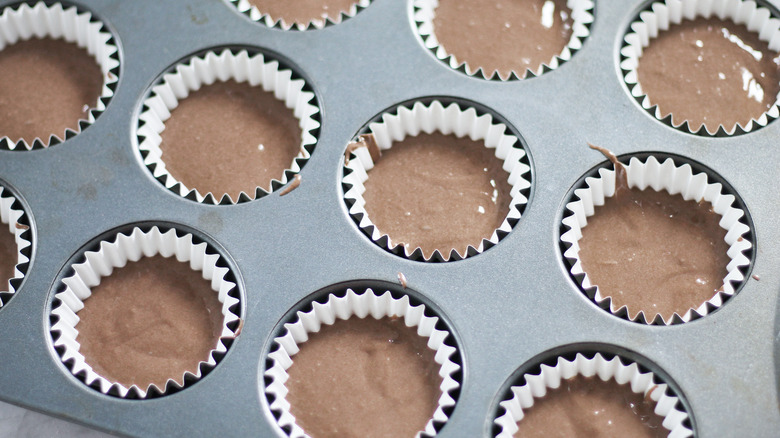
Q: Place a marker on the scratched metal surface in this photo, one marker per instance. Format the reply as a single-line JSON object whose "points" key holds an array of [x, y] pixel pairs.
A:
{"points": [[505, 306]]}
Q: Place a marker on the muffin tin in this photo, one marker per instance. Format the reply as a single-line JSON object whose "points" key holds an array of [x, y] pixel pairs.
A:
{"points": [[508, 308]]}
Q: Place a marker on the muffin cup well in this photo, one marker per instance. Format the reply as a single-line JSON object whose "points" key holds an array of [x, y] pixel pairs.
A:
{"points": [[361, 305], [425, 10], [659, 16], [12, 215], [116, 253], [621, 370], [417, 118], [22, 22], [675, 179], [198, 71], [255, 14]]}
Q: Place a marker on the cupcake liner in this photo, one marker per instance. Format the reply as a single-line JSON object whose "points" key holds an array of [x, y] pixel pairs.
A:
{"points": [[621, 370], [255, 14], [22, 22], [581, 13], [652, 174], [197, 71], [12, 215], [428, 118], [361, 305], [659, 16], [116, 253]]}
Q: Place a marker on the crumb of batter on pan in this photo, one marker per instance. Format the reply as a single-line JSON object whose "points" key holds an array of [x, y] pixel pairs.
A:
{"points": [[402, 279], [293, 185]]}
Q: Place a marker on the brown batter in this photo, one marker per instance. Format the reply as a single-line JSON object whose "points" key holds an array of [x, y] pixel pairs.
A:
{"points": [[303, 11], [47, 86], [230, 137], [589, 407], [710, 72], [654, 252], [364, 377], [438, 192], [503, 35], [9, 255], [148, 322]]}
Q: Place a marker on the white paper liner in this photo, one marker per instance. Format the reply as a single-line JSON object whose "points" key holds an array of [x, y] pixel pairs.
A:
{"points": [[10, 215], [651, 174], [425, 11], [661, 15], [452, 119], [360, 305], [203, 70], [255, 14], [24, 22], [550, 377], [116, 253]]}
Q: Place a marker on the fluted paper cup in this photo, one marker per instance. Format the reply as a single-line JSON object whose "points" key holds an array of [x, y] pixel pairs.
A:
{"points": [[415, 119], [652, 174], [598, 366], [425, 10], [659, 16], [351, 304], [116, 253], [198, 71], [13, 216], [326, 19], [23, 22]]}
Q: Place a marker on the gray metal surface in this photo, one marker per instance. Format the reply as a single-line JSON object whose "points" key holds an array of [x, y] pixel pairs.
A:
{"points": [[505, 306]]}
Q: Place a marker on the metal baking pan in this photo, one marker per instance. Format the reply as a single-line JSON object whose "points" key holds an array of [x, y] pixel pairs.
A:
{"points": [[506, 306]]}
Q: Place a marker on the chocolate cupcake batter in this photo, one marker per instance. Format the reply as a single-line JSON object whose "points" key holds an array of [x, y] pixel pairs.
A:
{"points": [[503, 35], [710, 72], [303, 11], [9, 254], [47, 86], [438, 192], [148, 322], [364, 377], [230, 137], [654, 252], [590, 407]]}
